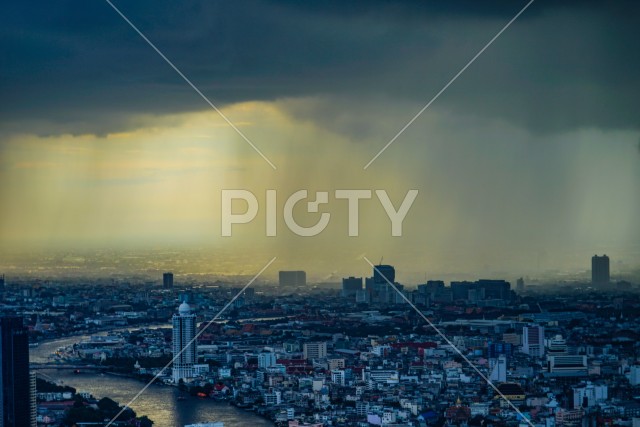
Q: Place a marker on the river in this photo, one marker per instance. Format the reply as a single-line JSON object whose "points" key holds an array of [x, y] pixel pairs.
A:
{"points": [[160, 403]]}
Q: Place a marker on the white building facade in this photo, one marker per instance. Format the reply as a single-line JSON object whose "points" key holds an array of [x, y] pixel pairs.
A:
{"points": [[184, 344]]}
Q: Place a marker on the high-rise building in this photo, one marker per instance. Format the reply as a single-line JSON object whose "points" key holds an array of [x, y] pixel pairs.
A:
{"points": [[495, 289], [184, 344], [533, 340], [380, 292], [1, 282], [15, 393], [600, 270], [167, 280], [292, 278], [315, 350], [460, 290], [380, 272], [351, 286], [520, 285], [498, 369]]}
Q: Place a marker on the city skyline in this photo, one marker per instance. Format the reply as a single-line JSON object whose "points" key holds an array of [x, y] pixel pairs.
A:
{"points": [[312, 214]]}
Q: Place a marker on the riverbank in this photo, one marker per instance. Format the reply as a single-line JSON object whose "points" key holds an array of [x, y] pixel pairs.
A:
{"points": [[166, 405]]}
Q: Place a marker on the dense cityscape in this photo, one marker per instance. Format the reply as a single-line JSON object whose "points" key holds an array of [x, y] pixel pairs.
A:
{"points": [[367, 351], [336, 213]]}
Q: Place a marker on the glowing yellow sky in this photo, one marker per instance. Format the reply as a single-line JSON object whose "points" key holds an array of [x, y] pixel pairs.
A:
{"points": [[480, 205]]}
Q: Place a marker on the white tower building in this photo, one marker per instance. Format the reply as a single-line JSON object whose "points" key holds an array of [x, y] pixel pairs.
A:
{"points": [[498, 369], [184, 331]]}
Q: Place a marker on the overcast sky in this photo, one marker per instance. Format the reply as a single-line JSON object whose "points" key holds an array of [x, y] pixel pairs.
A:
{"points": [[534, 151]]}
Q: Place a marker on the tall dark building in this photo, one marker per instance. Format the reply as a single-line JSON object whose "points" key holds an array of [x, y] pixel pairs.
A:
{"points": [[382, 271], [351, 286], [600, 270], [292, 278], [495, 289], [2, 282], [15, 393], [167, 280], [460, 290]]}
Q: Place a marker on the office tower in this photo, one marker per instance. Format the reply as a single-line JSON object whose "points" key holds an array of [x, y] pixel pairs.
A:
{"points": [[292, 278], [520, 285], [498, 369], [315, 350], [351, 286], [600, 270], [533, 341], [184, 331], [380, 272], [2, 282], [15, 393], [167, 280], [378, 286]]}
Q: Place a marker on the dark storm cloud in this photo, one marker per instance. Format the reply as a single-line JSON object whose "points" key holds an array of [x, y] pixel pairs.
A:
{"points": [[76, 66]]}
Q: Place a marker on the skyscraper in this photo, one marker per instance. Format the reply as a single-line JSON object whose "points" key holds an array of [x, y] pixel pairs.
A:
{"points": [[15, 393], [533, 340], [498, 369], [184, 331], [1, 282], [378, 285], [167, 280], [380, 272], [600, 270]]}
